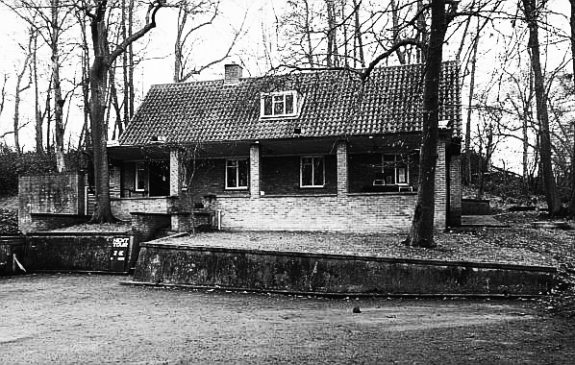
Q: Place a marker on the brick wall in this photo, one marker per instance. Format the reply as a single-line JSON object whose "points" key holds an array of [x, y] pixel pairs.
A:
{"points": [[352, 213], [363, 168], [441, 194], [121, 208], [342, 168], [455, 190], [54, 193], [145, 225], [209, 179], [255, 171], [281, 175]]}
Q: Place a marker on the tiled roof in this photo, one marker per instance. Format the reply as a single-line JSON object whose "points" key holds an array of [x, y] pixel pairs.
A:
{"points": [[336, 103]]}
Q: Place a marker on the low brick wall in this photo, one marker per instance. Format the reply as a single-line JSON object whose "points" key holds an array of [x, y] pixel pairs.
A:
{"points": [[122, 208], [78, 251], [10, 246], [319, 273], [475, 207], [366, 213]]}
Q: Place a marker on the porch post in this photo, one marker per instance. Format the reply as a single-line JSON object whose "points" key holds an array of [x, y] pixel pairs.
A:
{"points": [[441, 194], [342, 168], [455, 189], [255, 169], [176, 171]]}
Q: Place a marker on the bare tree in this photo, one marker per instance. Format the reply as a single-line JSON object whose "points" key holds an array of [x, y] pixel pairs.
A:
{"points": [[421, 233], [531, 10], [50, 21], [103, 59], [3, 101], [20, 87], [193, 16], [572, 26]]}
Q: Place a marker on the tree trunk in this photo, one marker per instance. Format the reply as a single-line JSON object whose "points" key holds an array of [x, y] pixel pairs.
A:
{"points": [[395, 31], [37, 114], [126, 84], [131, 89], [18, 92], [98, 76], [309, 55], [58, 101], [331, 58], [98, 88], [572, 23], [358, 36], [421, 233], [467, 164], [531, 17], [178, 46], [99, 73]]}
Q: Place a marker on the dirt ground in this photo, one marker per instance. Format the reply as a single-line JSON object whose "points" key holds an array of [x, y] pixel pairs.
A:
{"points": [[88, 319]]}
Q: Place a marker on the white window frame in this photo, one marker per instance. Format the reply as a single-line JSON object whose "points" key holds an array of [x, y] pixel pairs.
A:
{"points": [[237, 168], [283, 94], [313, 158], [397, 158], [141, 164]]}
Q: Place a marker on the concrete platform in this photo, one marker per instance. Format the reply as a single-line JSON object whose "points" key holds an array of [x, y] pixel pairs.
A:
{"points": [[481, 221]]}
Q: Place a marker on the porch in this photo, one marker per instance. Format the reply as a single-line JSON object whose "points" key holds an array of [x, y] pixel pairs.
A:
{"points": [[363, 184]]}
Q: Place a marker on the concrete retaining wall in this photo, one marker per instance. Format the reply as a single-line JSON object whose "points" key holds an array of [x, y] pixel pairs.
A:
{"points": [[73, 251], [10, 246], [475, 207], [56, 193], [261, 270]]}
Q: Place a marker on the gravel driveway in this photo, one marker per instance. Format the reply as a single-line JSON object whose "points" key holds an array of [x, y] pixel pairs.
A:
{"points": [[88, 319]]}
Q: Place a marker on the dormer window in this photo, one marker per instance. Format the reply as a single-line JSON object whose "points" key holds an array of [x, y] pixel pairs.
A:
{"points": [[279, 104]]}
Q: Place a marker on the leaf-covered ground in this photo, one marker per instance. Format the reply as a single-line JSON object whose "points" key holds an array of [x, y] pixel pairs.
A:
{"points": [[8, 222], [517, 244], [8, 215], [96, 228]]}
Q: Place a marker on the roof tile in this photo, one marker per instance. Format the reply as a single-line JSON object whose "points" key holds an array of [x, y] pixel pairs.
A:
{"points": [[336, 103]]}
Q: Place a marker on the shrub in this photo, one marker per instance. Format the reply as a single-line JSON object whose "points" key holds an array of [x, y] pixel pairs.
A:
{"points": [[13, 164]]}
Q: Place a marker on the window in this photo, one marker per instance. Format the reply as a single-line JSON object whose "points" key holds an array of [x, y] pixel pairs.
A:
{"points": [[237, 174], [312, 172], [393, 171], [279, 104], [141, 176]]}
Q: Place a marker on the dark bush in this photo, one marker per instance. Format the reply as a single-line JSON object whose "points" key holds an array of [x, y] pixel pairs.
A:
{"points": [[13, 164]]}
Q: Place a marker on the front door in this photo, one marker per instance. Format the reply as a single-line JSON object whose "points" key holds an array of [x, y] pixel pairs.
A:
{"points": [[159, 175]]}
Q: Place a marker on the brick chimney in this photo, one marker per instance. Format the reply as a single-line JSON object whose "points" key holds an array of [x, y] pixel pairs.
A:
{"points": [[233, 73]]}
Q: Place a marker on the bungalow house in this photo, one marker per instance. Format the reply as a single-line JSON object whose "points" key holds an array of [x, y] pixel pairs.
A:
{"points": [[317, 150]]}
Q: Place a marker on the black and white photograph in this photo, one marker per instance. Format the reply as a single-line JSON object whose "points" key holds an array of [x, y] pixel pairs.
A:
{"points": [[287, 182]]}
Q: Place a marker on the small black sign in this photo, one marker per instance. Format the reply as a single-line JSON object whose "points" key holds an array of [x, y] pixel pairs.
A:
{"points": [[119, 254]]}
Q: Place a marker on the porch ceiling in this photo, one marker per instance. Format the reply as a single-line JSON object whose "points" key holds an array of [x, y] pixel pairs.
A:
{"points": [[385, 143], [364, 144]]}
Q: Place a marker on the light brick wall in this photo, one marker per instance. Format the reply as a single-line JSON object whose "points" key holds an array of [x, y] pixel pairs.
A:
{"points": [[455, 191], [440, 217], [121, 208], [255, 170], [369, 213], [175, 172], [342, 168]]}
